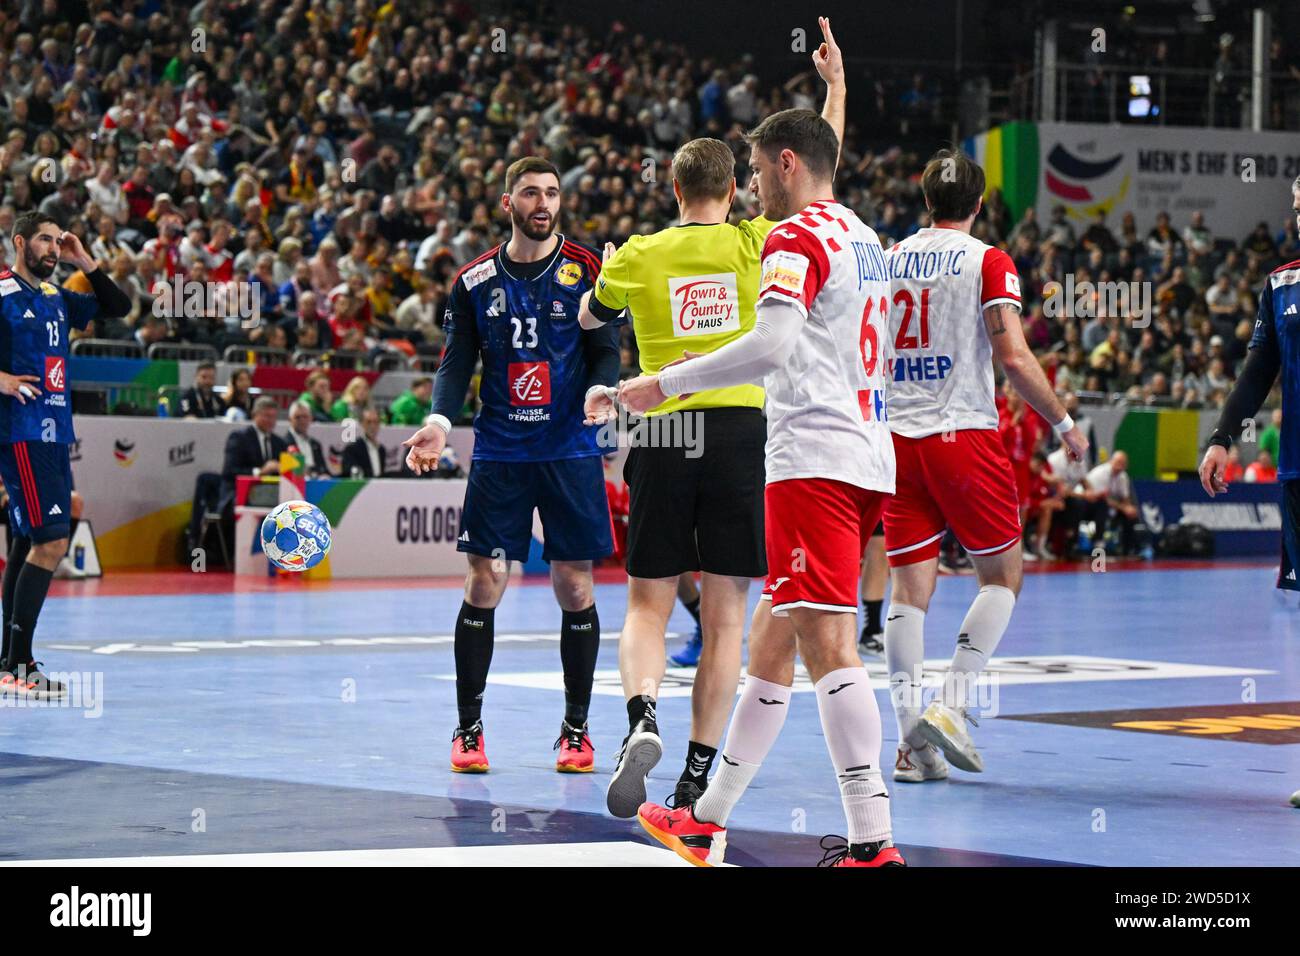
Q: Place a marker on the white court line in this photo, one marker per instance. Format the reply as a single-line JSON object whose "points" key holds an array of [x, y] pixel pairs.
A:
{"points": [[535, 854]]}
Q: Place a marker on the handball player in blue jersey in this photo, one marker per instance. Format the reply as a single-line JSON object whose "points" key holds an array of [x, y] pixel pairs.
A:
{"points": [[36, 427], [1274, 348], [515, 309]]}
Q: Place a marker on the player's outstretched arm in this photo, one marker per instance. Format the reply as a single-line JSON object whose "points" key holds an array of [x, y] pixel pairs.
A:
{"points": [[830, 67], [1007, 336], [756, 354]]}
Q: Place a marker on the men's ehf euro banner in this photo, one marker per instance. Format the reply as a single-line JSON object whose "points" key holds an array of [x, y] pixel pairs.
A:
{"points": [[1233, 177]]}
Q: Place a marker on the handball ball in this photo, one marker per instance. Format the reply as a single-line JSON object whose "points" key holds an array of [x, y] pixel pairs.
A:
{"points": [[296, 536]]}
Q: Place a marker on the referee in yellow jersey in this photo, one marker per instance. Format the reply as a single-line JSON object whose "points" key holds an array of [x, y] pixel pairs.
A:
{"points": [[692, 288]]}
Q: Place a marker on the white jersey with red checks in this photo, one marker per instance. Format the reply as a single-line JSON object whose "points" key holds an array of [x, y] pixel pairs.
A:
{"points": [[826, 405], [941, 374]]}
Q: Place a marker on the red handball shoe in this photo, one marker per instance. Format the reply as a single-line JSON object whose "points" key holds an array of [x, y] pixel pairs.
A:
{"points": [[702, 844], [577, 755], [839, 854], [468, 751]]}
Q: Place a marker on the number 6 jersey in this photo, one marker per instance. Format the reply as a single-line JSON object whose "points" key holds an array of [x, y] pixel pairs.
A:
{"points": [[941, 374]]}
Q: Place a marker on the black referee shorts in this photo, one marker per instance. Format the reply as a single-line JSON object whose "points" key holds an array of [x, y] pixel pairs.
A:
{"points": [[702, 513]]}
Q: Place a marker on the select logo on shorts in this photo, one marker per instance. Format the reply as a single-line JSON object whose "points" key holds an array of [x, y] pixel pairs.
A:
{"points": [[1277, 723], [124, 452], [55, 373], [530, 383], [704, 305]]}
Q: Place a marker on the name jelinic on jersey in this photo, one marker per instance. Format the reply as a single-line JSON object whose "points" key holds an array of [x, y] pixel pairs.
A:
{"points": [[704, 304]]}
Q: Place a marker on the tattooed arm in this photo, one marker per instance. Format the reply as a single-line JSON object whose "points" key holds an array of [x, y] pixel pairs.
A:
{"points": [[1002, 321]]}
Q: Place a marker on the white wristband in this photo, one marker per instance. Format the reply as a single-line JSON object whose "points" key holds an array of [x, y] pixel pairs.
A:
{"points": [[605, 390], [1064, 425], [442, 421]]}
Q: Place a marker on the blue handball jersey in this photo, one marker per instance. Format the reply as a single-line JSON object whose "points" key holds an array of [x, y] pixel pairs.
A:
{"points": [[535, 371], [34, 341], [1278, 329]]}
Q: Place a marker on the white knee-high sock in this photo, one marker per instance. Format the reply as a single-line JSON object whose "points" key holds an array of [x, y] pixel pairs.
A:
{"points": [[755, 725], [982, 629], [851, 723], [904, 652]]}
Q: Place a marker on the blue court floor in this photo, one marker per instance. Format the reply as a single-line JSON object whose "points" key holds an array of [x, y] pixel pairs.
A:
{"points": [[319, 722]]}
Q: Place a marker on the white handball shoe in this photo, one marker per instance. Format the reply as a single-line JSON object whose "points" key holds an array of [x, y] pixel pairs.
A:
{"points": [[945, 727], [919, 764]]}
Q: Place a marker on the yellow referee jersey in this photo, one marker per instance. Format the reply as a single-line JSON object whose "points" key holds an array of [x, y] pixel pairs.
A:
{"points": [[688, 288]]}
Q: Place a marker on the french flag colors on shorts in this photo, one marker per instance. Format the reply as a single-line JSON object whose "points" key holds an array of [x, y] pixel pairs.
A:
{"points": [[817, 529], [960, 480], [38, 477]]}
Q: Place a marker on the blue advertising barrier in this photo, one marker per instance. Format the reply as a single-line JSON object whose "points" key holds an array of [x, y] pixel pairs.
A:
{"points": [[1245, 520]]}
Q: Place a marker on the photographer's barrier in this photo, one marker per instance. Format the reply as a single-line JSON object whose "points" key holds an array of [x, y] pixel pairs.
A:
{"points": [[138, 474], [1245, 520]]}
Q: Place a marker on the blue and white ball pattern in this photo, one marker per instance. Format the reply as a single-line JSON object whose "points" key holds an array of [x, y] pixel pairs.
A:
{"points": [[296, 536]]}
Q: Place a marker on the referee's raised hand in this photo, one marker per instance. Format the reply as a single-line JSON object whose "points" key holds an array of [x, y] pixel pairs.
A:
{"points": [[21, 387]]}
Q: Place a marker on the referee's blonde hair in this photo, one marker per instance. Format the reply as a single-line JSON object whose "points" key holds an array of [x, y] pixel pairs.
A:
{"points": [[704, 169]]}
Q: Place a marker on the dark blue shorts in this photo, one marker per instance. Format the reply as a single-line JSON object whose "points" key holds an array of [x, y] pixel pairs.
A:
{"points": [[38, 478], [569, 495], [1287, 574]]}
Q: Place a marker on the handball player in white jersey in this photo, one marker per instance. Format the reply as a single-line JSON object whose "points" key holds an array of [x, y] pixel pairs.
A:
{"points": [[816, 346], [955, 308]]}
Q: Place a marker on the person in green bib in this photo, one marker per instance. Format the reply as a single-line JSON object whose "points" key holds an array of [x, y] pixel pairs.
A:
{"points": [[696, 499], [413, 405]]}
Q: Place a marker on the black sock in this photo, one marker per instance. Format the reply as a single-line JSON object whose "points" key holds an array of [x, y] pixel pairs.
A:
{"points": [[699, 760], [639, 708], [873, 616], [29, 596], [473, 658], [693, 607], [579, 645], [13, 564]]}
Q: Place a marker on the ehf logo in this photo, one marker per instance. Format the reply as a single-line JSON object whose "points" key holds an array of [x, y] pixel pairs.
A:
{"points": [[530, 383]]}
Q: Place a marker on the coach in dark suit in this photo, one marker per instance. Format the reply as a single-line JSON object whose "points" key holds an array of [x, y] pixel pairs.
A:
{"points": [[313, 456], [365, 457], [254, 450]]}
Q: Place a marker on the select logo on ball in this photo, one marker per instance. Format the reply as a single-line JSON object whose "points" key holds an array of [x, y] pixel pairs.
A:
{"points": [[296, 536]]}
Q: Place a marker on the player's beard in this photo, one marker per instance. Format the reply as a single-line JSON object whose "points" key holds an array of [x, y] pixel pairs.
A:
{"points": [[38, 266], [523, 224], [776, 201]]}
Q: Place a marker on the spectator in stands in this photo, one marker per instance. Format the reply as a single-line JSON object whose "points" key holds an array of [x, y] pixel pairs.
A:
{"points": [[417, 317], [366, 457], [1068, 480], [354, 400], [1232, 470], [149, 329], [1262, 469], [413, 405], [317, 397], [200, 400], [1196, 236], [1116, 502], [237, 402], [1270, 439], [314, 462], [254, 450]]}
